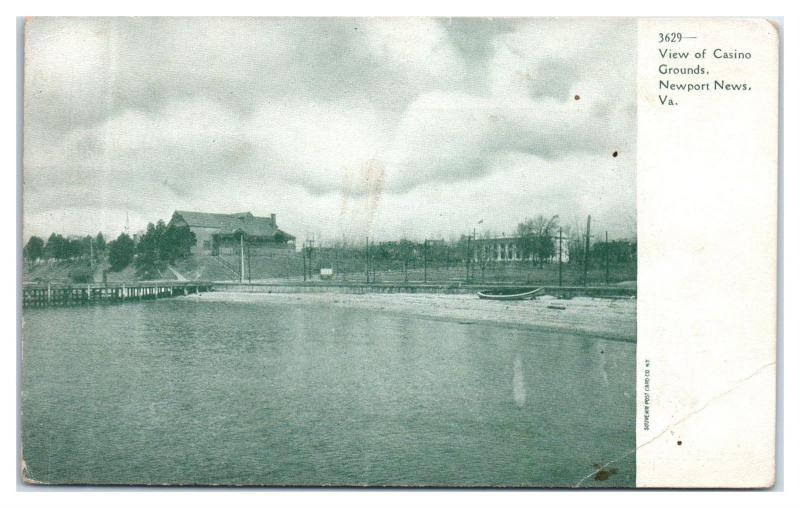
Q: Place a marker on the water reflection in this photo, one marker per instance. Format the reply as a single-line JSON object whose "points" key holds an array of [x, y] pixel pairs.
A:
{"points": [[182, 390], [519, 382]]}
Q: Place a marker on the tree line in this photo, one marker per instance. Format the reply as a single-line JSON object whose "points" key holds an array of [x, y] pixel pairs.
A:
{"points": [[61, 248], [161, 245], [536, 241], [149, 253]]}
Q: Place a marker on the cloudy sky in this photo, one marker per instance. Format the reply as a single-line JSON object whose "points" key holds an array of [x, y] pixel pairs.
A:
{"points": [[342, 127]]}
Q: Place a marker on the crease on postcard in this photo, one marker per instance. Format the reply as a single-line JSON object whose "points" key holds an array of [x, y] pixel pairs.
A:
{"points": [[680, 420]]}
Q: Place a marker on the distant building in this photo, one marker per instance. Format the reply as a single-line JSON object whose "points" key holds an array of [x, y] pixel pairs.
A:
{"points": [[507, 249], [223, 234]]}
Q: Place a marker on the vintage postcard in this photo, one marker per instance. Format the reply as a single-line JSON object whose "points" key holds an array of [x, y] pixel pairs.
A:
{"points": [[454, 252]]}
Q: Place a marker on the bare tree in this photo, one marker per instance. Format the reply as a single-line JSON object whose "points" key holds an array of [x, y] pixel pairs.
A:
{"points": [[536, 237], [484, 250]]}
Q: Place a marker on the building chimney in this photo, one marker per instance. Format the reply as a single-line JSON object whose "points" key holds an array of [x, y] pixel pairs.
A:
{"points": [[272, 218]]}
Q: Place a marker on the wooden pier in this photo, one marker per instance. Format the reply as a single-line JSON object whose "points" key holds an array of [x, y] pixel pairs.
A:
{"points": [[46, 295]]}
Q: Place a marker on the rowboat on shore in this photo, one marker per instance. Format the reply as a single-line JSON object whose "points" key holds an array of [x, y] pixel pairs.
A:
{"points": [[500, 295]]}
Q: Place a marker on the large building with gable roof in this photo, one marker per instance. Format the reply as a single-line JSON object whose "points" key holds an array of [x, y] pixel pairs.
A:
{"points": [[224, 234]]}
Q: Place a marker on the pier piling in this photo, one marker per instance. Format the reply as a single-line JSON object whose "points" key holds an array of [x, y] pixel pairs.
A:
{"points": [[52, 294]]}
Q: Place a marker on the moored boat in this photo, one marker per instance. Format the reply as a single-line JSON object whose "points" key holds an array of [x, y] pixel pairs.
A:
{"points": [[501, 295]]}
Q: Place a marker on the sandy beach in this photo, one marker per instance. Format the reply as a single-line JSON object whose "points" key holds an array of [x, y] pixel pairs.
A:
{"points": [[602, 318]]}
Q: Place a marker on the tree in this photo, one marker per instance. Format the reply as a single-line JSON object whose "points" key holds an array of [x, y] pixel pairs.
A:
{"points": [[176, 243], [147, 252], [86, 246], [485, 252], [55, 247], [75, 248], [34, 249], [405, 250], [576, 244], [100, 242], [536, 238], [61, 248], [160, 246], [618, 251], [120, 252]]}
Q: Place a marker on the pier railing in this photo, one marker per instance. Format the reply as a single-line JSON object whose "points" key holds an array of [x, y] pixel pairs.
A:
{"points": [[52, 294]]}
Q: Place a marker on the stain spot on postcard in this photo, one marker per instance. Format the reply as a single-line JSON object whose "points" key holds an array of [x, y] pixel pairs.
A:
{"points": [[603, 474]]}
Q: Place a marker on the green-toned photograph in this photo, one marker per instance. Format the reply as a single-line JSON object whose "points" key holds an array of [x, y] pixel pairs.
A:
{"points": [[329, 252]]}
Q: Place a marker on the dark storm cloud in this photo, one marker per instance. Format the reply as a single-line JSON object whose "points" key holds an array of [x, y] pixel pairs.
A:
{"points": [[145, 113]]}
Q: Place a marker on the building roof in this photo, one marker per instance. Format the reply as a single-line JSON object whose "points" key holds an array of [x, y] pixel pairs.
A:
{"points": [[233, 223]]}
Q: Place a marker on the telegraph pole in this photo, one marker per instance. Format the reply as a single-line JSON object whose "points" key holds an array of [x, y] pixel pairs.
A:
{"points": [[606, 258], [469, 257], [559, 257], [586, 252], [303, 249], [241, 256], [311, 244], [473, 253], [425, 261]]}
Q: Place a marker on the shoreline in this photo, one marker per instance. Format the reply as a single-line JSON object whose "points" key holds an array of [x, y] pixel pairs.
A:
{"points": [[591, 317]]}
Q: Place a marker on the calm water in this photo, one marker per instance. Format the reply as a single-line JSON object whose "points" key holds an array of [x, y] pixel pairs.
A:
{"points": [[184, 391]]}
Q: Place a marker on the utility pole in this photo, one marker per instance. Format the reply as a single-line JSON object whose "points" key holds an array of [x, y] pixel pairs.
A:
{"points": [[473, 252], [559, 257], [586, 252], [405, 263], [425, 261], [469, 257], [606, 249], [303, 249], [366, 260], [337, 252], [311, 244], [241, 255]]}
